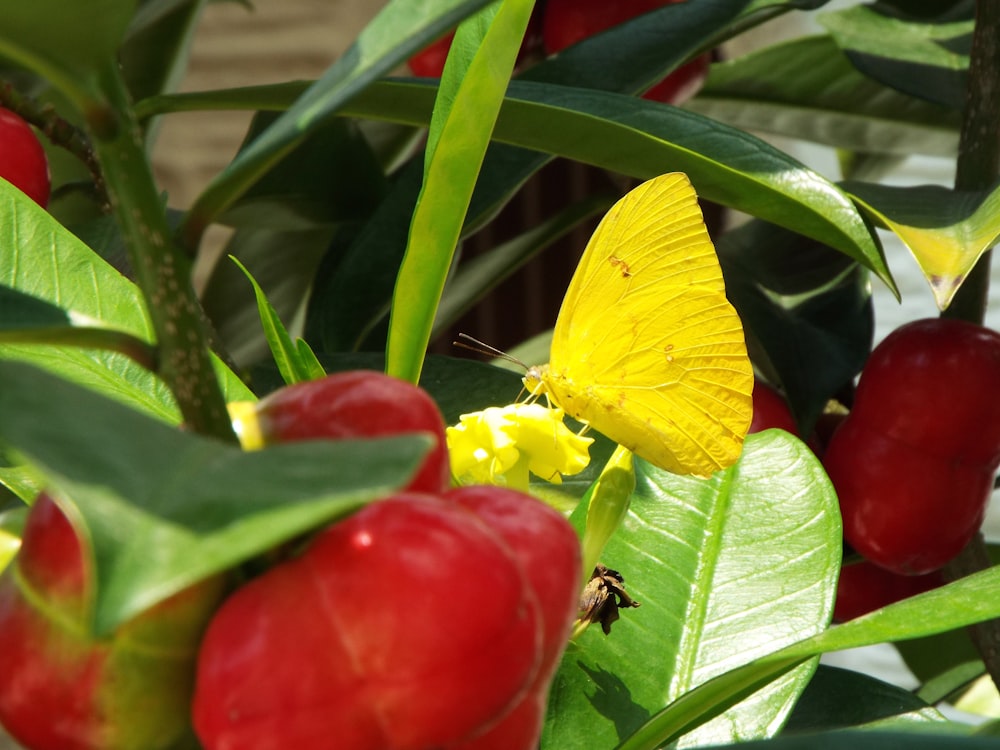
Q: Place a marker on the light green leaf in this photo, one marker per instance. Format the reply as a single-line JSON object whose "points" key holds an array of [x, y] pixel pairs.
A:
{"points": [[472, 88], [726, 569]]}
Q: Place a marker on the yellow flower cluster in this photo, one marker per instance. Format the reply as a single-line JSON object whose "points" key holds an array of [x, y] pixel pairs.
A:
{"points": [[501, 445]]}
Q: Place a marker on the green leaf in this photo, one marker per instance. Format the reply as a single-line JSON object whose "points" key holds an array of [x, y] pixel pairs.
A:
{"points": [[67, 43], [806, 309], [163, 508], [839, 698], [726, 569], [395, 33], [964, 602], [807, 89], [947, 231], [53, 276], [472, 88], [293, 366], [925, 60], [643, 139]]}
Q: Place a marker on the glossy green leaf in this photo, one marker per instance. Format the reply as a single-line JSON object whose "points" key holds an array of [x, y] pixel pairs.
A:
{"points": [[163, 508], [471, 92], [923, 59], [946, 230], [398, 31], [950, 738], [67, 43], [643, 139], [11, 526], [807, 89], [47, 268], [726, 569]]}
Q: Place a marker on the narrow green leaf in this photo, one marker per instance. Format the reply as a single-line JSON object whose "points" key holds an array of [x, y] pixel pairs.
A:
{"points": [[395, 33], [726, 569], [471, 93], [644, 139], [163, 508], [286, 354], [947, 231], [807, 89]]}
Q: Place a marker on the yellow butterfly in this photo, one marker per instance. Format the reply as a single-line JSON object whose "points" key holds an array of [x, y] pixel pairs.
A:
{"points": [[646, 348]]}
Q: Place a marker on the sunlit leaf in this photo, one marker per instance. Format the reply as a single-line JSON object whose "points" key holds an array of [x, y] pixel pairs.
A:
{"points": [[946, 230]]}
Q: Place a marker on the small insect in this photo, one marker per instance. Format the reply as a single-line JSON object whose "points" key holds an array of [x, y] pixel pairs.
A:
{"points": [[602, 597]]}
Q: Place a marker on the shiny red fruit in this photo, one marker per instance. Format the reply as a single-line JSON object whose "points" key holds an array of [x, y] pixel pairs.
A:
{"points": [[64, 689], [356, 404], [567, 22], [933, 384], [549, 550], [409, 625], [913, 463], [770, 410], [22, 159], [864, 587], [903, 508]]}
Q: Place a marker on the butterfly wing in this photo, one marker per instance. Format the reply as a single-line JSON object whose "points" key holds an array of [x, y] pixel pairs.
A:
{"points": [[647, 349]]}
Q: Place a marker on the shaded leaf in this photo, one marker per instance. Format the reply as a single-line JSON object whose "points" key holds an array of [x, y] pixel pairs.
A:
{"points": [[923, 59], [807, 89]]}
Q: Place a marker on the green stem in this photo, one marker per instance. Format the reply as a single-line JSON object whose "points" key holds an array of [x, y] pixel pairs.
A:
{"points": [[162, 269], [977, 169]]}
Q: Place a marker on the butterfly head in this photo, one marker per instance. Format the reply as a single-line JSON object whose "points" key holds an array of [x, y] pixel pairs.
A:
{"points": [[534, 380]]}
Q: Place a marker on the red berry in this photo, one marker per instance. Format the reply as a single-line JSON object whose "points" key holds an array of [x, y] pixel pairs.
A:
{"points": [[770, 410], [913, 462], [549, 550], [429, 62], [22, 159], [360, 403], [570, 21], [408, 625], [864, 587], [63, 689]]}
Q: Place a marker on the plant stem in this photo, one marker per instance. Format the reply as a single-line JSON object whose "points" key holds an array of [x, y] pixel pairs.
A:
{"points": [[977, 169], [162, 269]]}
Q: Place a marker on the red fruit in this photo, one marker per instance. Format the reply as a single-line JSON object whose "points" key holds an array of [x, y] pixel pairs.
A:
{"points": [[63, 689], [933, 384], [361, 403], [22, 159], [570, 21], [429, 62], [913, 462], [770, 410], [864, 587], [549, 550], [408, 625]]}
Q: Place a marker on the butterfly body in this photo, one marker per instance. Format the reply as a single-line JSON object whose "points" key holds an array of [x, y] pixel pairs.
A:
{"points": [[646, 348]]}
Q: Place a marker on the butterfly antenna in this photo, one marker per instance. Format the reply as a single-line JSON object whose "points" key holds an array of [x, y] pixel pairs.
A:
{"points": [[473, 344]]}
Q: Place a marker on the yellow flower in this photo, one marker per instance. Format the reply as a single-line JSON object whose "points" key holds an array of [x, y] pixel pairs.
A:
{"points": [[501, 445]]}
